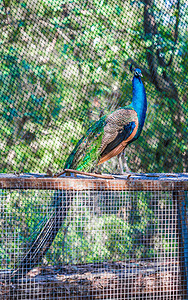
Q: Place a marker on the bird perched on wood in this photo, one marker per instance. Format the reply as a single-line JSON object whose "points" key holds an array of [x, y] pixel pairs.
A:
{"points": [[110, 135]]}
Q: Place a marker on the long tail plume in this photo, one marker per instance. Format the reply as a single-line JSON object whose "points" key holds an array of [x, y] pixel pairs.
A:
{"points": [[39, 247]]}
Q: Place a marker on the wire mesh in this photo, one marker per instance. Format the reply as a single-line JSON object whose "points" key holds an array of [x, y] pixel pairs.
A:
{"points": [[64, 64], [87, 238]]}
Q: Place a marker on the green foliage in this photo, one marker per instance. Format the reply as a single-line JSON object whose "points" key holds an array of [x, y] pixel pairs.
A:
{"points": [[62, 64]]}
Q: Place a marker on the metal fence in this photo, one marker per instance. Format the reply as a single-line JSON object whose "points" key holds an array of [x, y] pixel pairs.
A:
{"points": [[85, 238]]}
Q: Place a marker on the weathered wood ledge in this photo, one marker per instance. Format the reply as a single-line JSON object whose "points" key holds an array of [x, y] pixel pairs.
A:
{"points": [[109, 280], [138, 182]]}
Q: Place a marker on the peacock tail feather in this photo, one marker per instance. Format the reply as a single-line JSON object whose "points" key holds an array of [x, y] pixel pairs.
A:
{"points": [[86, 153]]}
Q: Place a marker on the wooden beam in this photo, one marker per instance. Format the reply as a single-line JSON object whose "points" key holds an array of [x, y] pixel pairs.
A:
{"points": [[109, 280], [80, 184]]}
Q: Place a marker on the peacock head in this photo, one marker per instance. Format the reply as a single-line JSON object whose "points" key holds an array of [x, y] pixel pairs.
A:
{"points": [[137, 73]]}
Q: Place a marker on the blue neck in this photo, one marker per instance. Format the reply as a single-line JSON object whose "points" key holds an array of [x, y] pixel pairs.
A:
{"points": [[139, 101]]}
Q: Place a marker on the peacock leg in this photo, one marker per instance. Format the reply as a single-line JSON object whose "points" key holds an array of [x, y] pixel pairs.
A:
{"points": [[120, 164], [124, 159], [123, 163], [99, 169]]}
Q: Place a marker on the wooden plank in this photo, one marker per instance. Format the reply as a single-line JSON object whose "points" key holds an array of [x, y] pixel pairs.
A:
{"points": [[80, 184], [109, 280]]}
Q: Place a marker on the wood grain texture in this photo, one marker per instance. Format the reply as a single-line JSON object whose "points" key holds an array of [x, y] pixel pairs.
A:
{"points": [[134, 183], [109, 280]]}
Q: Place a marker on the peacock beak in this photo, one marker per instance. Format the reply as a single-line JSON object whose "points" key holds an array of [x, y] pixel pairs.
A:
{"points": [[140, 75]]}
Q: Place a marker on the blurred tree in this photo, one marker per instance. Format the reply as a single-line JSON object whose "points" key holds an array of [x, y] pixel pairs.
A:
{"points": [[64, 64]]}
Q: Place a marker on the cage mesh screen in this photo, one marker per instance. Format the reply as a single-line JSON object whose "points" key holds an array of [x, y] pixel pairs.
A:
{"points": [[93, 239], [64, 64]]}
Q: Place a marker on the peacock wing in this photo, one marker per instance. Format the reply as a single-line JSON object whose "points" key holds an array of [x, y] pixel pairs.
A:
{"points": [[121, 127]]}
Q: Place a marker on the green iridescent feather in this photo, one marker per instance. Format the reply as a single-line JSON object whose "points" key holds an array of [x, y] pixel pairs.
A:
{"points": [[87, 151]]}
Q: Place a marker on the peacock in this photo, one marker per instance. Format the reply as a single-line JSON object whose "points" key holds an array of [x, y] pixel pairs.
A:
{"points": [[107, 138], [111, 134]]}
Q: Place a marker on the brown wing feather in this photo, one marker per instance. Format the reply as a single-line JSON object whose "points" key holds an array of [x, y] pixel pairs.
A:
{"points": [[111, 154], [123, 144], [114, 123]]}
